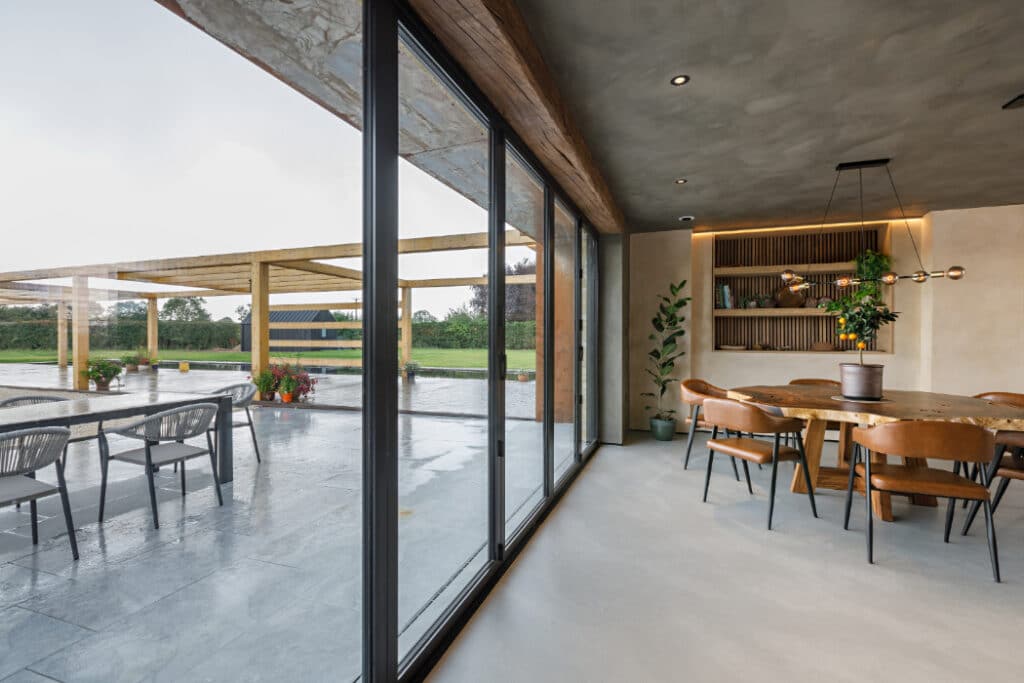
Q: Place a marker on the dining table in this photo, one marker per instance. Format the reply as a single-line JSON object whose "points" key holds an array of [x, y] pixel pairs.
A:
{"points": [[819, 405], [96, 407]]}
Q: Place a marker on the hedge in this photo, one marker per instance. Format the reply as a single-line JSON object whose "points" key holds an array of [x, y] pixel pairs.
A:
{"points": [[459, 333], [125, 334]]}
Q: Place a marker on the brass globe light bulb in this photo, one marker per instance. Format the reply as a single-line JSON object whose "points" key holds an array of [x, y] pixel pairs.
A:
{"points": [[955, 272], [890, 278], [919, 276], [788, 276], [844, 281]]}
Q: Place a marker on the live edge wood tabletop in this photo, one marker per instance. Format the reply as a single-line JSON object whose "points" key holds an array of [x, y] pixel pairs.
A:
{"points": [[817, 406]]}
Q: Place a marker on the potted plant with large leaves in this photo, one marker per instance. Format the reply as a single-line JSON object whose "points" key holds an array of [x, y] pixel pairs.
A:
{"points": [[667, 339], [860, 314]]}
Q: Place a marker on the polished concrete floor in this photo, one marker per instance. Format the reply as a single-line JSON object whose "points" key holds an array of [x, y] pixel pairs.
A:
{"points": [[632, 578], [267, 587]]}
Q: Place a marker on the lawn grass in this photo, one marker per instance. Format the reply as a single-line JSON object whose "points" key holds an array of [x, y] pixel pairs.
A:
{"points": [[431, 358]]}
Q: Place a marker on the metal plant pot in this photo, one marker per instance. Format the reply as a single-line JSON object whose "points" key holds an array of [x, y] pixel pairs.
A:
{"points": [[861, 382], [663, 430]]}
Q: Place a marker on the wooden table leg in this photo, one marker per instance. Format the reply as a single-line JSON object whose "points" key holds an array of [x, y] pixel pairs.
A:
{"points": [[927, 501], [881, 502], [814, 440], [845, 444]]}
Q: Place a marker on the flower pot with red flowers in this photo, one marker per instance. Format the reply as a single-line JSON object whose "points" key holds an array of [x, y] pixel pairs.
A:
{"points": [[102, 373]]}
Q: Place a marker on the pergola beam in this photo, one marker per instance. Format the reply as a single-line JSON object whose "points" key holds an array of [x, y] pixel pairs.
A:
{"points": [[131, 270]]}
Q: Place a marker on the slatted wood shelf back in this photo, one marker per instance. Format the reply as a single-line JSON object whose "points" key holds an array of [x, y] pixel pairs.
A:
{"points": [[750, 265]]}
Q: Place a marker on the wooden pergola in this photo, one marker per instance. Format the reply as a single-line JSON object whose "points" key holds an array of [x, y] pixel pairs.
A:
{"points": [[257, 274]]}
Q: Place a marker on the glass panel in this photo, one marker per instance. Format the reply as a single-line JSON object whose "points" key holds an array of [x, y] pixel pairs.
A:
{"points": [[564, 253], [443, 431], [524, 345], [130, 135], [588, 387]]}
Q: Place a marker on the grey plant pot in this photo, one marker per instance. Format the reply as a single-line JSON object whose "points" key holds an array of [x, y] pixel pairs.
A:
{"points": [[863, 382], [663, 430]]}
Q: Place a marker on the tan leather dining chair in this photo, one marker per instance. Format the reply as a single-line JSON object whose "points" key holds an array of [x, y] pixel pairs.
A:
{"points": [[745, 418], [1005, 466], [960, 443], [694, 393]]}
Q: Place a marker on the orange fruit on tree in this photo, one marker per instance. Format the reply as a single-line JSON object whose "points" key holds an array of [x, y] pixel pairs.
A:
{"points": [[851, 336], [861, 345], [843, 336]]}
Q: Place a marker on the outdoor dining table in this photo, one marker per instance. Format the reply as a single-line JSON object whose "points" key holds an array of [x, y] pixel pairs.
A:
{"points": [[819, 405], [100, 408]]}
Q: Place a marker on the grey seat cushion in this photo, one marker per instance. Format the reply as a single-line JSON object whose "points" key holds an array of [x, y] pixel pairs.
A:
{"points": [[162, 454], [21, 488]]}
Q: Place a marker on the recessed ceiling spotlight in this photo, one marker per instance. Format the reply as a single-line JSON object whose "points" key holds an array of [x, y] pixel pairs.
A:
{"points": [[680, 181], [686, 219], [681, 79]]}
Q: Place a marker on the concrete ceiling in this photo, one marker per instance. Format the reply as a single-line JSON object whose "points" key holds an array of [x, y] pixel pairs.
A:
{"points": [[783, 91]]}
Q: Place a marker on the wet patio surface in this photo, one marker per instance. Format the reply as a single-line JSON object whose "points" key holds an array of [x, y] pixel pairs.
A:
{"points": [[267, 587]]}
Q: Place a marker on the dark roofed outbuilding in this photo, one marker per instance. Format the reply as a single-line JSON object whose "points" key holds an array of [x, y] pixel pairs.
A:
{"points": [[312, 316]]}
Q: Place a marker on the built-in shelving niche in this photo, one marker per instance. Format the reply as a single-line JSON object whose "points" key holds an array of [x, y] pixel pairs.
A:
{"points": [[750, 264]]}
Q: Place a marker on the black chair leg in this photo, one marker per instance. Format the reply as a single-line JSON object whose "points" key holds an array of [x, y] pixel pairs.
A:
{"points": [[807, 474], [256, 445], [104, 464], [689, 439], [775, 472], [849, 485], [1003, 483], [213, 466], [152, 488], [746, 472], [66, 504], [951, 506], [182, 478], [35, 515], [870, 526], [987, 476], [990, 530]]}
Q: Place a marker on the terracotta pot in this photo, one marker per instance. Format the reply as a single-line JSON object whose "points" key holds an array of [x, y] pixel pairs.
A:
{"points": [[286, 398], [131, 368], [863, 382], [523, 377], [102, 385]]}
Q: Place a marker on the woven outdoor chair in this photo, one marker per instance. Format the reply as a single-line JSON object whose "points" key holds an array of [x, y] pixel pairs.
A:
{"points": [[22, 454], [164, 435]]}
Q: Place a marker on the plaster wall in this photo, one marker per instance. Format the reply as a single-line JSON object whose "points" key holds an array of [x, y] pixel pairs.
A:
{"points": [[955, 337]]}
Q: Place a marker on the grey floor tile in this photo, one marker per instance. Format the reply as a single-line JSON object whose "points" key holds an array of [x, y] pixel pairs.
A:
{"points": [[27, 636]]}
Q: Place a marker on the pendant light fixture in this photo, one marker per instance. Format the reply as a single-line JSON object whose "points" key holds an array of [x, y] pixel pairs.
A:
{"points": [[797, 282]]}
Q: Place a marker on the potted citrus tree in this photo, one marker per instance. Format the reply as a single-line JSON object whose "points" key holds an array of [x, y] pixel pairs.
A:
{"points": [[667, 340], [860, 314], [102, 372]]}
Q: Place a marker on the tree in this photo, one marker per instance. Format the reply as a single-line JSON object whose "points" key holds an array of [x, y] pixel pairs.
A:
{"points": [[127, 310], [185, 309], [242, 312], [520, 300], [424, 317]]}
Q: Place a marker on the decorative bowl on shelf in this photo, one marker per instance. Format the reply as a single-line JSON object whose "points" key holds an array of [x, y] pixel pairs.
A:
{"points": [[790, 299], [733, 347]]}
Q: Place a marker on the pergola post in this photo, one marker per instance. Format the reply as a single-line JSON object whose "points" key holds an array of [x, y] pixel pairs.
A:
{"points": [[405, 323], [80, 331], [152, 328], [260, 290], [62, 334]]}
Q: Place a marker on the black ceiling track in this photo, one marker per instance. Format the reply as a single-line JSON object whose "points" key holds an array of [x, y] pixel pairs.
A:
{"points": [[869, 163], [1016, 103]]}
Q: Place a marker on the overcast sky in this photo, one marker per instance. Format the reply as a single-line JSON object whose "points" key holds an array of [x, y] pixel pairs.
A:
{"points": [[126, 133]]}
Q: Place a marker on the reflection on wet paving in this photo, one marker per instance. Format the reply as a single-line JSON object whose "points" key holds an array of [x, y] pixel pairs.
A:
{"points": [[220, 592]]}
